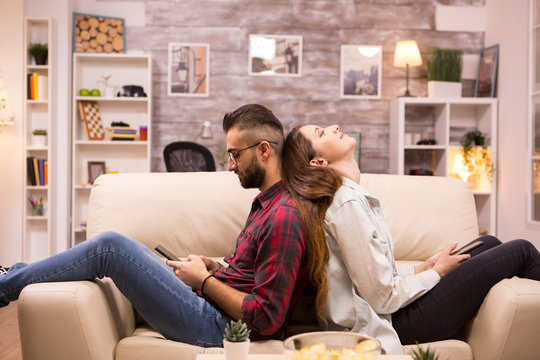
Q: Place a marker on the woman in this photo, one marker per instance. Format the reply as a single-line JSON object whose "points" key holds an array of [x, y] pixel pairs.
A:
{"points": [[366, 293]]}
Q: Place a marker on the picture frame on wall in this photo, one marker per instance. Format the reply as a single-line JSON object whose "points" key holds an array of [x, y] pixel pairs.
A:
{"points": [[98, 34], [188, 69], [275, 55], [95, 169], [486, 78], [361, 71]]}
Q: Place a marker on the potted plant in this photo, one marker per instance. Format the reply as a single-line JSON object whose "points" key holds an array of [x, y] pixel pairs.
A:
{"points": [[109, 89], [421, 354], [39, 137], [473, 142], [444, 72], [236, 340], [39, 52]]}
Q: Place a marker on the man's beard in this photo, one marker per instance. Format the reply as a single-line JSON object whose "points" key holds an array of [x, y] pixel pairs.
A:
{"points": [[253, 176]]}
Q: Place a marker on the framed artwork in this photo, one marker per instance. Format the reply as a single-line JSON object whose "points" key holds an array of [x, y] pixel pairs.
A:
{"points": [[275, 55], [188, 69], [361, 73], [358, 138], [95, 169], [486, 79], [98, 34]]}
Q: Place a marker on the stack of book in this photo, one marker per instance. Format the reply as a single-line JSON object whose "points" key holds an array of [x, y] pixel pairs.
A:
{"points": [[37, 171], [37, 87], [122, 133]]}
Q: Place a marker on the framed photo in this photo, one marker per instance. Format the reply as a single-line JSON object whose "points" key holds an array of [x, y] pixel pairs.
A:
{"points": [[361, 73], [188, 69], [275, 55], [358, 138], [98, 34], [486, 79], [95, 169]]}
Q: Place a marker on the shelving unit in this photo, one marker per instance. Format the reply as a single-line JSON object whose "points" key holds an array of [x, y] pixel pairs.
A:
{"points": [[119, 156], [37, 232], [533, 191], [446, 121]]}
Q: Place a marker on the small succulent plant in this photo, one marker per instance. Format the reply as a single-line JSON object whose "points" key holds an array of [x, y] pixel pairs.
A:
{"points": [[421, 354], [236, 331], [39, 132]]}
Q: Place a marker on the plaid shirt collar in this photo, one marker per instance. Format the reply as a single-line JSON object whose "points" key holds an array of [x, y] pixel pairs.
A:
{"points": [[266, 197]]}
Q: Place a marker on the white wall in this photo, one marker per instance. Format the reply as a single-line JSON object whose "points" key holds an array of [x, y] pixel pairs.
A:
{"points": [[11, 67], [507, 25]]}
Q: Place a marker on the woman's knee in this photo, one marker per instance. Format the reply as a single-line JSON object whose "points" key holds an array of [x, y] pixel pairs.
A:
{"points": [[110, 239], [490, 241]]}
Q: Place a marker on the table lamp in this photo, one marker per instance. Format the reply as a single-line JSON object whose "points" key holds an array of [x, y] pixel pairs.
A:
{"points": [[6, 116], [206, 131], [407, 54]]}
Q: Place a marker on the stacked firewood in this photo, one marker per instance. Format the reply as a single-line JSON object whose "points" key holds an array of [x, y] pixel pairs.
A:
{"points": [[98, 34]]}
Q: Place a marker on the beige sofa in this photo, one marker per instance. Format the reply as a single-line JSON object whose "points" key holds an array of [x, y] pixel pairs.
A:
{"points": [[202, 213]]}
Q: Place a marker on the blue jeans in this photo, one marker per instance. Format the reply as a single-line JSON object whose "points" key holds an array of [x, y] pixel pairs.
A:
{"points": [[163, 300]]}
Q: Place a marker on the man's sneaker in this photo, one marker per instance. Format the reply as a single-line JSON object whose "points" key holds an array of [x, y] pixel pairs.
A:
{"points": [[3, 270]]}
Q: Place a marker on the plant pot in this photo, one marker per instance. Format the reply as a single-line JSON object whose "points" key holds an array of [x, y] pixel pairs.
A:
{"points": [[40, 60], [446, 89], [110, 92], [236, 350], [39, 140]]}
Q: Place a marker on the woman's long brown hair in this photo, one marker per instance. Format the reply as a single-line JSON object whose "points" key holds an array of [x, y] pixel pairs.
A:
{"points": [[313, 189]]}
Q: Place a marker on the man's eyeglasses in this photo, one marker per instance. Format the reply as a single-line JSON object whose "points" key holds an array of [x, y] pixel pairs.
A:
{"points": [[234, 154]]}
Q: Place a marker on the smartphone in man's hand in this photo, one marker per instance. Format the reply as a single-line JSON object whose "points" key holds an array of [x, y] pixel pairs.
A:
{"points": [[166, 253]]}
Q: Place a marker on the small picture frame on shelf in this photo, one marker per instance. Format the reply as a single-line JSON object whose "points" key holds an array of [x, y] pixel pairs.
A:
{"points": [[98, 34], [486, 78], [189, 73], [275, 55], [361, 71], [95, 169]]}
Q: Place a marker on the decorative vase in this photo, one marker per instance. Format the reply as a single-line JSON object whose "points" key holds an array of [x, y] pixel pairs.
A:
{"points": [[39, 140], [446, 89], [236, 350], [109, 91]]}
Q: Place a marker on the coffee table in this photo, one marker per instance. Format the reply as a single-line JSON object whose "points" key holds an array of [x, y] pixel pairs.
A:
{"points": [[282, 357]]}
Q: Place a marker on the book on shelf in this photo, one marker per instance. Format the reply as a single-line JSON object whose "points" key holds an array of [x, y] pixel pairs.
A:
{"points": [[38, 87], [122, 133], [37, 171]]}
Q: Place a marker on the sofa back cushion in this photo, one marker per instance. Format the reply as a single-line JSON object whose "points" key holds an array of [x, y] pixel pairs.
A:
{"points": [[425, 213], [203, 213], [188, 213]]}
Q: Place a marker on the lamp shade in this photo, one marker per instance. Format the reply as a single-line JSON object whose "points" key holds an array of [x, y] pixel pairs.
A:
{"points": [[407, 53], [206, 131], [6, 116]]}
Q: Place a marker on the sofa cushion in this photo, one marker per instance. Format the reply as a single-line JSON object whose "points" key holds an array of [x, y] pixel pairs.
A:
{"points": [[425, 213], [196, 217]]}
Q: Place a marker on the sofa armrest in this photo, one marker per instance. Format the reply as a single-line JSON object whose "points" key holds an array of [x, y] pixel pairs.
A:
{"points": [[73, 320], [508, 322]]}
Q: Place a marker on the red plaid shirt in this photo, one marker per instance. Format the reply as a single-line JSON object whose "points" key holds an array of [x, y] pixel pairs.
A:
{"points": [[269, 262]]}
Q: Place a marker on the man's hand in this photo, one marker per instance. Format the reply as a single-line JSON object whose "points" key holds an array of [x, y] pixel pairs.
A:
{"points": [[210, 264], [446, 262], [192, 272]]}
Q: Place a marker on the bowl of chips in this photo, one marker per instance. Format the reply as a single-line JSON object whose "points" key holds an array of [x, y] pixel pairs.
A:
{"points": [[331, 345]]}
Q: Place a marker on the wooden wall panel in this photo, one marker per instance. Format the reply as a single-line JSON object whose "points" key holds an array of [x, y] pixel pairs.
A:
{"points": [[325, 25]]}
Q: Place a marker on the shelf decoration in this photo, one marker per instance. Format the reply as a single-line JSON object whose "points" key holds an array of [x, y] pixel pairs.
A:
{"points": [[98, 34], [93, 127], [486, 79], [37, 205]]}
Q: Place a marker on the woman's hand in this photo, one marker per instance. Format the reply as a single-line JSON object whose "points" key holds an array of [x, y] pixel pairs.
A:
{"points": [[428, 264], [192, 272], [446, 262]]}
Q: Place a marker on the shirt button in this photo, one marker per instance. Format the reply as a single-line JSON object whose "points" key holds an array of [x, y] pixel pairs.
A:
{"points": [[374, 234]]}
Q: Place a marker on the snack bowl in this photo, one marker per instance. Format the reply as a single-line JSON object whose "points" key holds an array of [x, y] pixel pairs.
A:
{"points": [[331, 345]]}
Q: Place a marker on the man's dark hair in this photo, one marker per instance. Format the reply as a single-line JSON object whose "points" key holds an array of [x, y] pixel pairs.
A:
{"points": [[257, 123]]}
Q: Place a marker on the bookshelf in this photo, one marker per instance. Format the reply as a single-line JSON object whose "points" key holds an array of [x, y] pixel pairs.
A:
{"points": [[89, 69], [446, 120], [37, 232]]}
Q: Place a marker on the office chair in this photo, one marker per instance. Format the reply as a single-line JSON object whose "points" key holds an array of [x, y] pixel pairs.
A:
{"points": [[187, 156]]}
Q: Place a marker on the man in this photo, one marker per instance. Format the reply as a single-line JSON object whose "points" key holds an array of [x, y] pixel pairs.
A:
{"points": [[265, 275]]}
